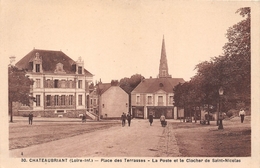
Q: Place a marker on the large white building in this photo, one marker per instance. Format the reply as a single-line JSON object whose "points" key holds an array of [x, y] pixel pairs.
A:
{"points": [[60, 84]]}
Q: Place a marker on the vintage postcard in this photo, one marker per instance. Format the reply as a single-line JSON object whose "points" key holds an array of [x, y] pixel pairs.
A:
{"points": [[130, 83]]}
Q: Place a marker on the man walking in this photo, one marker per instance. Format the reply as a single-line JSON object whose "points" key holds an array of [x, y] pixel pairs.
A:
{"points": [[242, 114], [123, 118], [30, 118], [150, 119], [129, 119]]}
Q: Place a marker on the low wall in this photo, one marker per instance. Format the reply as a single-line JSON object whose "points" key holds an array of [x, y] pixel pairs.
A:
{"points": [[50, 113]]}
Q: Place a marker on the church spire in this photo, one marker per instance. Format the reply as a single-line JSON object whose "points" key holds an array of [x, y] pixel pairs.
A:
{"points": [[163, 68]]}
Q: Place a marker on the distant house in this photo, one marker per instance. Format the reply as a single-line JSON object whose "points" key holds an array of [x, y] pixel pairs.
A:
{"points": [[60, 84], [112, 100], [155, 95]]}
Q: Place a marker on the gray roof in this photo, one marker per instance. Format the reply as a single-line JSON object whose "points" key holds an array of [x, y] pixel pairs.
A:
{"points": [[49, 61], [152, 85]]}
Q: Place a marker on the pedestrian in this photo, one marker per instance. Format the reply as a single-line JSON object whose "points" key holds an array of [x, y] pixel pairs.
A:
{"points": [[84, 118], [30, 118], [129, 119], [162, 119], [242, 114], [151, 119], [123, 118]]}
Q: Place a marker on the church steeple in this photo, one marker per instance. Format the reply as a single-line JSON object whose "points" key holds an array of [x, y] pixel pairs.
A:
{"points": [[163, 68]]}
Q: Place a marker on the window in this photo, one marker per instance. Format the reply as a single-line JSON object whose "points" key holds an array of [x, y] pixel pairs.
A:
{"points": [[149, 101], [62, 100], [38, 99], [70, 84], [38, 83], [80, 100], [70, 99], [56, 81], [95, 101], [171, 100], [91, 101], [48, 83], [80, 84], [37, 67], [160, 100], [56, 100], [79, 70], [63, 83], [48, 101], [137, 99]]}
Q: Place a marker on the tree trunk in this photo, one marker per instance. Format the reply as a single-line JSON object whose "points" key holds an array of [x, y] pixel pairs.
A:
{"points": [[208, 114], [11, 110], [195, 116], [184, 114]]}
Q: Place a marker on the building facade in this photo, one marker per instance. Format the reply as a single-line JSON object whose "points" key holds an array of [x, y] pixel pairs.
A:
{"points": [[108, 101], [60, 84], [155, 95]]}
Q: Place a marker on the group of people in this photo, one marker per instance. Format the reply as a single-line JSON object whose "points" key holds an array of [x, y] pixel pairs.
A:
{"points": [[162, 119], [127, 117]]}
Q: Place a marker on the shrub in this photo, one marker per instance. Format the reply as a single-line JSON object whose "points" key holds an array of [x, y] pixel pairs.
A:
{"points": [[229, 113]]}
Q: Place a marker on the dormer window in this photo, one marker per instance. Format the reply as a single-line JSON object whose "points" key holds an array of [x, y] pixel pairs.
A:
{"points": [[59, 68], [79, 70], [37, 63], [38, 68]]}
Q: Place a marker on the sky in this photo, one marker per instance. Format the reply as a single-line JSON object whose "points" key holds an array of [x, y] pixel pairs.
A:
{"points": [[120, 38]]}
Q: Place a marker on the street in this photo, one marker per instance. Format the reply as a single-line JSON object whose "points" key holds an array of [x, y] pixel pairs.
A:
{"points": [[138, 140]]}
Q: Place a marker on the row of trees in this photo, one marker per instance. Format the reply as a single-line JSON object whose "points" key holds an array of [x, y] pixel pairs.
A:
{"points": [[231, 71]]}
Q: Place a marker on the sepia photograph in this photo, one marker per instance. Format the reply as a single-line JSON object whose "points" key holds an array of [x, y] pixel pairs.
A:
{"points": [[135, 83]]}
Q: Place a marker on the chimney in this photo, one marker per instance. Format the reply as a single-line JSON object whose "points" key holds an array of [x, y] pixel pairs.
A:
{"points": [[12, 60]]}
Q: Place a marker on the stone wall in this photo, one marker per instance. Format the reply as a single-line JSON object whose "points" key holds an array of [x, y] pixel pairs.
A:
{"points": [[50, 113]]}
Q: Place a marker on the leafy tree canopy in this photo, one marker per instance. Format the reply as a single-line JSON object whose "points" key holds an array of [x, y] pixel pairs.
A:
{"points": [[231, 71], [18, 86], [129, 84]]}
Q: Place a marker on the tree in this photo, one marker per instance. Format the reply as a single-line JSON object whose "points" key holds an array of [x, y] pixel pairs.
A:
{"points": [[18, 88], [114, 82], [237, 53], [181, 96], [231, 71], [129, 84]]}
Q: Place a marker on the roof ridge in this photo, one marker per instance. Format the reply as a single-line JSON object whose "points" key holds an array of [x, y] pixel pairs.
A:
{"points": [[47, 50]]}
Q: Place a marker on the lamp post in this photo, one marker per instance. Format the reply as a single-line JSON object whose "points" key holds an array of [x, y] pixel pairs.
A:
{"points": [[220, 118]]}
